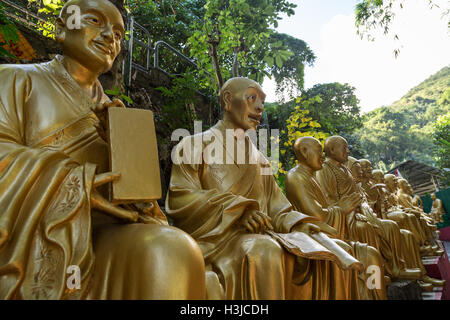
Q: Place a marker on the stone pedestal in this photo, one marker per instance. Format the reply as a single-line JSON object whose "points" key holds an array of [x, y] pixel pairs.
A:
{"points": [[404, 290], [439, 268]]}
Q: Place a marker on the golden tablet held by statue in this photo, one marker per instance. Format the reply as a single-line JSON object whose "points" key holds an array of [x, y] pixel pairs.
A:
{"points": [[53, 161]]}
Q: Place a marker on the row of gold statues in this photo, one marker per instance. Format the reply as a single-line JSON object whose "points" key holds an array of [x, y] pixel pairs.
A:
{"points": [[235, 235]]}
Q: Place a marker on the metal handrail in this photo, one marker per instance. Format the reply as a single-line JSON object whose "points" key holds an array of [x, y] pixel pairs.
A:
{"points": [[28, 13], [168, 46]]}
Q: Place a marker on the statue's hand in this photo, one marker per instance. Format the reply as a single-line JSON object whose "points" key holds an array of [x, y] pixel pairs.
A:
{"points": [[255, 221], [101, 111], [350, 203], [100, 203], [360, 217], [308, 228]]}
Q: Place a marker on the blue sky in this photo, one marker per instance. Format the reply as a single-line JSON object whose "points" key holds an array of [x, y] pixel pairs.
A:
{"points": [[379, 78]]}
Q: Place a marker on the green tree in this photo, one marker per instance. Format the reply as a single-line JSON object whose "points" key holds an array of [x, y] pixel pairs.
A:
{"points": [[300, 123], [441, 150], [372, 15], [237, 37], [338, 110]]}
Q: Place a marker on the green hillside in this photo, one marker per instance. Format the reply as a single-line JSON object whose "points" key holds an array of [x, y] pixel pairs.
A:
{"points": [[403, 131]]}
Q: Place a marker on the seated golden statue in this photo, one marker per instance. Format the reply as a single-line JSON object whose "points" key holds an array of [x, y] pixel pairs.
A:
{"points": [[437, 210], [229, 204], [338, 182], [306, 195], [52, 164], [391, 209], [405, 199]]}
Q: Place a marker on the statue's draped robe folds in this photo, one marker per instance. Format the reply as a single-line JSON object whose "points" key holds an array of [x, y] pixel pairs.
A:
{"points": [[306, 195], [49, 154], [402, 240], [404, 220], [337, 182], [406, 201], [207, 200]]}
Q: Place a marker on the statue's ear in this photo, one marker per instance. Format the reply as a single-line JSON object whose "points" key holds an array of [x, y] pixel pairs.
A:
{"points": [[304, 152], [227, 100], [60, 30]]}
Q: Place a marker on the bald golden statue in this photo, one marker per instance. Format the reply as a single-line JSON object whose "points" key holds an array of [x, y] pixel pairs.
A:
{"points": [[306, 195], [223, 193], [54, 214], [405, 199]]}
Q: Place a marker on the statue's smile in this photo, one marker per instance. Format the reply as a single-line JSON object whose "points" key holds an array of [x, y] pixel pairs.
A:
{"points": [[103, 47]]}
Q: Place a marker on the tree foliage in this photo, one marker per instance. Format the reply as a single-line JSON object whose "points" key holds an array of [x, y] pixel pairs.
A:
{"points": [[237, 37], [372, 15], [403, 131], [300, 123], [8, 31], [441, 148]]}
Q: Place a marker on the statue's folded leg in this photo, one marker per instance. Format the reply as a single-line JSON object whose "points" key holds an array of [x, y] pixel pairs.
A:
{"points": [[372, 288], [146, 261]]}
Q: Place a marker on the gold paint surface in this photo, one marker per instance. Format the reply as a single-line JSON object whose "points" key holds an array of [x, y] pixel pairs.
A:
{"points": [[134, 153]]}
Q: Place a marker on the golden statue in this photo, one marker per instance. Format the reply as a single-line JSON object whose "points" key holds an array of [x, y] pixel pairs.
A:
{"points": [[405, 199], [306, 195], [54, 218], [337, 181], [406, 248], [437, 210], [395, 212], [224, 195]]}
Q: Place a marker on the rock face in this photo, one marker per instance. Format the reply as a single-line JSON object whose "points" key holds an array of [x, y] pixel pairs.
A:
{"points": [[404, 290]]}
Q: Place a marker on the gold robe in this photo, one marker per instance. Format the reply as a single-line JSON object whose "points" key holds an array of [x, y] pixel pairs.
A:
{"points": [[49, 154], [207, 200], [380, 204], [306, 195], [337, 182], [384, 235]]}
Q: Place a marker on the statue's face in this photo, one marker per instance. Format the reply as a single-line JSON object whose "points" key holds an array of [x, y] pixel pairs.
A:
{"points": [[357, 172], [96, 44], [340, 151], [314, 157], [403, 185], [366, 168], [247, 105], [378, 176], [390, 184], [409, 189]]}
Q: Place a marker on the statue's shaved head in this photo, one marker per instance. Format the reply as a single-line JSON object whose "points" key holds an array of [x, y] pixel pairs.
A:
{"points": [[83, 4], [304, 143], [378, 175], [351, 162], [233, 85], [333, 142], [365, 162]]}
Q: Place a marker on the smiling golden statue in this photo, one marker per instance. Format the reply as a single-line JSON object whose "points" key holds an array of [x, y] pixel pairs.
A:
{"points": [[52, 161]]}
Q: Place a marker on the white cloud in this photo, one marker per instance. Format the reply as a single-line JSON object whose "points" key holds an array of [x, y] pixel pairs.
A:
{"points": [[371, 67]]}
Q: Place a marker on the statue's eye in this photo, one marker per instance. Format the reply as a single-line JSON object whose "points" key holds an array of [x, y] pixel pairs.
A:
{"points": [[94, 20], [118, 35], [251, 97]]}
